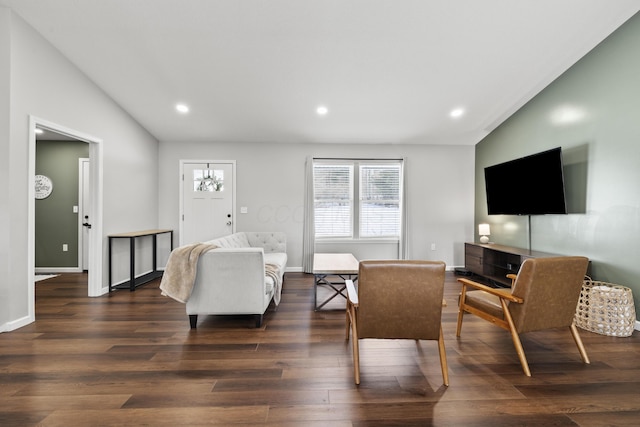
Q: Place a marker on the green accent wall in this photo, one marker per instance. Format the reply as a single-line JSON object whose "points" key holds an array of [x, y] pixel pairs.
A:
{"points": [[592, 111], [55, 221]]}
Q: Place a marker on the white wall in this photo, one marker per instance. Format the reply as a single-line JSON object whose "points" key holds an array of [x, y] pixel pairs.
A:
{"points": [[141, 183], [46, 85], [270, 183], [5, 38]]}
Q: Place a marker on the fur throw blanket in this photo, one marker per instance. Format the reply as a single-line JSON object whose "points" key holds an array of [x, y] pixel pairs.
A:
{"points": [[180, 273], [273, 271]]}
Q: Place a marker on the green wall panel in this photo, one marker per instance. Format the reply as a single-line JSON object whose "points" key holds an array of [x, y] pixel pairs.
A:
{"points": [[593, 112], [55, 222]]}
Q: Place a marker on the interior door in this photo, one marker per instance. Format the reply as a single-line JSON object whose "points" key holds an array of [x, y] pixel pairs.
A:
{"points": [[207, 201]]}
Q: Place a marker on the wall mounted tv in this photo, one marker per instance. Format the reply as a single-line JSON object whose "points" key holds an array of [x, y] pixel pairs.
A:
{"points": [[531, 185]]}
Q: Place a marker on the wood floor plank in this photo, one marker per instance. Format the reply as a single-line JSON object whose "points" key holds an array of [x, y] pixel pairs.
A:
{"points": [[130, 358], [192, 416]]}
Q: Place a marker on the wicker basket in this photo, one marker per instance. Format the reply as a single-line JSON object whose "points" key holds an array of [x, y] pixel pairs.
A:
{"points": [[605, 308]]}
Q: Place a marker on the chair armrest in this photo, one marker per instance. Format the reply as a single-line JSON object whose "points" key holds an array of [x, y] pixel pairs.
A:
{"points": [[512, 277], [501, 293], [351, 291]]}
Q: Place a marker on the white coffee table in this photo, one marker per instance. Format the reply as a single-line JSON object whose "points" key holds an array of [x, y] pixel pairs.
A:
{"points": [[331, 271]]}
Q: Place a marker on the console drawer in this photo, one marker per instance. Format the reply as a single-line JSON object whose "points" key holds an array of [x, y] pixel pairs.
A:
{"points": [[473, 250]]}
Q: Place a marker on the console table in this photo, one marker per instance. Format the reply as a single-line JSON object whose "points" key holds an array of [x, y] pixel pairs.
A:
{"points": [[493, 262], [132, 236]]}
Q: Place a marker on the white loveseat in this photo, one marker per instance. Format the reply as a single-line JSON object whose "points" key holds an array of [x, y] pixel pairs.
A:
{"points": [[231, 279]]}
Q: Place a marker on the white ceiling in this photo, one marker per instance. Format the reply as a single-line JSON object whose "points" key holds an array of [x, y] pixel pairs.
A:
{"points": [[390, 71]]}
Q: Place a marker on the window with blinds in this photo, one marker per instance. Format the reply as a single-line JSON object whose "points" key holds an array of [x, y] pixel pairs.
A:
{"points": [[380, 200], [333, 200], [376, 212]]}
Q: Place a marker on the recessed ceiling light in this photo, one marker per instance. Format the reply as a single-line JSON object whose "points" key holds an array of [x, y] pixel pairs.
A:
{"points": [[182, 108], [456, 112], [322, 110], [39, 131]]}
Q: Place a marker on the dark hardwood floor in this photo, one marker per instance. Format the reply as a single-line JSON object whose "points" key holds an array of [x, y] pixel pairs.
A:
{"points": [[129, 358]]}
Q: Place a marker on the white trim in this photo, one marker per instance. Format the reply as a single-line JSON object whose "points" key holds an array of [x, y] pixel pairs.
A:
{"points": [[57, 270], [362, 240], [81, 242], [182, 162], [637, 328], [95, 286], [16, 324]]}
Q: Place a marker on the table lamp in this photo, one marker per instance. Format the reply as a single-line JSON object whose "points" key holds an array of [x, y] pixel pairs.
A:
{"points": [[484, 231]]}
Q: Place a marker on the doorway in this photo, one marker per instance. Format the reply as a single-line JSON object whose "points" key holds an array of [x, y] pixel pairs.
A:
{"points": [[94, 265]]}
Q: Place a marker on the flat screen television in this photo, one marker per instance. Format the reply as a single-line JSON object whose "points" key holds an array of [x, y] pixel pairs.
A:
{"points": [[531, 185]]}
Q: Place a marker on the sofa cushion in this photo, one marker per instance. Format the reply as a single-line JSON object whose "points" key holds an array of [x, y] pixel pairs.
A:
{"points": [[278, 259]]}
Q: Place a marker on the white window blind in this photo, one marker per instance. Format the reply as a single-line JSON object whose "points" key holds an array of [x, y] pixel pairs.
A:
{"points": [[380, 200], [376, 212], [333, 200]]}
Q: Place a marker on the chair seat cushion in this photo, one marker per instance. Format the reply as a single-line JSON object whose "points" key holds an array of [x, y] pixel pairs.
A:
{"points": [[485, 301]]}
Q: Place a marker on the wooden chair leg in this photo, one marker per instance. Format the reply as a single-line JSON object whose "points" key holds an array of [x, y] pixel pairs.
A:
{"points": [[348, 320], [443, 359], [578, 340], [516, 338], [459, 326], [354, 344], [460, 310]]}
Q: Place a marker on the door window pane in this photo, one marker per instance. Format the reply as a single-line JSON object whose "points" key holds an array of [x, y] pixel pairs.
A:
{"points": [[208, 180]]}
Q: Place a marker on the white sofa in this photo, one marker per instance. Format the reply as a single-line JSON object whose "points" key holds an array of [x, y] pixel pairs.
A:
{"points": [[231, 279]]}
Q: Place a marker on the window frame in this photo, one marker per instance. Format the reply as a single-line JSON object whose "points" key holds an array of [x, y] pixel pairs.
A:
{"points": [[356, 198]]}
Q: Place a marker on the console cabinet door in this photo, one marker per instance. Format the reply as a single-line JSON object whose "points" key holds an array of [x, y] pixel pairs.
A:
{"points": [[473, 260]]}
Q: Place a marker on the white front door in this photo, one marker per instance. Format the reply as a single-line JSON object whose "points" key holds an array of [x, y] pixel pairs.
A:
{"points": [[207, 201]]}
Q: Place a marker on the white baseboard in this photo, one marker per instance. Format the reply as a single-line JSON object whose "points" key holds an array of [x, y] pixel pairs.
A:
{"points": [[57, 270], [637, 328], [128, 279], [16, 324]]}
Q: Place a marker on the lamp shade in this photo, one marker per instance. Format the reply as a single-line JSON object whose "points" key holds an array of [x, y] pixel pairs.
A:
{"points": [[484, 230]]}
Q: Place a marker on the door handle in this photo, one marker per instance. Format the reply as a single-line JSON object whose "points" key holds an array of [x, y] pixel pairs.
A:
{"points": [[86, 224], [228, 222]]}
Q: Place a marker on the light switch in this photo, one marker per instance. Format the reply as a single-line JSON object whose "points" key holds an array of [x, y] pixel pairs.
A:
{"points": [[75, 209]]}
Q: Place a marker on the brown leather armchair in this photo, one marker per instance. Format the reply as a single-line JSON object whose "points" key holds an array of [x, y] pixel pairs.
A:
{"points": [[398, 299], [544, 295]]}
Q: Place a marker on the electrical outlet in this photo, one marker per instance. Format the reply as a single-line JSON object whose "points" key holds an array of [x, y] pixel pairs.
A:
{"points": [[433, 246], [244, 210], [65, 247]]}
